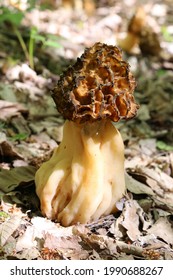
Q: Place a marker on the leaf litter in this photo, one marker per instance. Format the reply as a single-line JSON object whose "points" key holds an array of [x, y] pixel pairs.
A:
{"points": [[30, 128]]}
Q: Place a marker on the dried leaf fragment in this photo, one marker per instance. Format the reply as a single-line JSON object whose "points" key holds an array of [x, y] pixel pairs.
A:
{"points": [[8, 227], [163, 229], [131, 219]]}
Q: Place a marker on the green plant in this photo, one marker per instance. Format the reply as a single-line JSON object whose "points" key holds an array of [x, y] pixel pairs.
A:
{"points": [[13, 17], [166, 34], [19, 137], [163, 146], [49, 40]]}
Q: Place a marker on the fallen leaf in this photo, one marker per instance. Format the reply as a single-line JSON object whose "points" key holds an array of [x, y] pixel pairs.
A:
{"points": [[68, 243], [27, 240], [136, 186], [144, 113], [160, 183], [21, 126], [117, 229], [10, 179], [9, 109], [8, 227], [28, 254], [29, 90], [163, 229], [43, 226], [148, 146], [10, 246], [131, 219], [7, 93], [7, 152], [129, 248]]}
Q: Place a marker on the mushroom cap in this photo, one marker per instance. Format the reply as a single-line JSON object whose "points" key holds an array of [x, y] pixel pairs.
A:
{"points": [[138, 21], [98, 86]]}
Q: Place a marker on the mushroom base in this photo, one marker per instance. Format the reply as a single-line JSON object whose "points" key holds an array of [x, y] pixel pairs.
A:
{"points": [[85, 176]]}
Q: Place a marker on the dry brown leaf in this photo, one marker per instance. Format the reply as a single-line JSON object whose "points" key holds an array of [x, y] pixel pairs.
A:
{"points": [[26, 75], [43, 226], [9, 109], [10, 246], [28, 254], [168, 255], [146, 222], [29, 90], [131, 219], [27, 240], [7, 152], [163, 229], [117, 229], [68, 243], [147, 146], [128, 222], [137, 187], [91, 240], [94, 255], [8, 227], [129, 248], [68, 246], [160, 183]]}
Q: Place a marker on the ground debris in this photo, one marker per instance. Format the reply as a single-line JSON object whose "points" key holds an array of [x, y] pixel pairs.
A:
{"points": [[31, 127]]}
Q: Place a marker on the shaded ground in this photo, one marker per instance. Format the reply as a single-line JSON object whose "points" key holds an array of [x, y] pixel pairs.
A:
{"points": [[30, 128]]}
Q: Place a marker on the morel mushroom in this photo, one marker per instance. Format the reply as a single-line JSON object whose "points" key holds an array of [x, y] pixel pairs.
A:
{"points": [[135, 25], [142, 34], [85, 176]]}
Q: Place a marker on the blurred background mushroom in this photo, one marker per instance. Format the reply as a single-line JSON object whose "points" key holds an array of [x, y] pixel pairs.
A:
{"points": [[85, 176], [140, 33]]}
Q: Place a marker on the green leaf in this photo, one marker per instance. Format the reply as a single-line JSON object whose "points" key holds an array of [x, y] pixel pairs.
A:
{"points": [[14, 17], [167, 36], [19, 137], [38, 38], [4, 215], [163, 146], [161, 72], [53, 44], [32, 4]]}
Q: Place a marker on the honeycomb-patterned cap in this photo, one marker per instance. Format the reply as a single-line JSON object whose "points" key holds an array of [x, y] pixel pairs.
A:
{"points": [[98, 86]]}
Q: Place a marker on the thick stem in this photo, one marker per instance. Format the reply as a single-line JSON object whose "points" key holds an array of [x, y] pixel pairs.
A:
{"points": [[85, 176]]}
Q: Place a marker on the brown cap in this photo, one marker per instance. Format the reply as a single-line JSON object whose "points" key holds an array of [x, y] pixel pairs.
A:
{"points": [[138, 21], [98, 86]]}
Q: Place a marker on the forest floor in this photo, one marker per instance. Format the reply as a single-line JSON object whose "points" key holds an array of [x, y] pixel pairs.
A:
{"points": [[31, 127]]}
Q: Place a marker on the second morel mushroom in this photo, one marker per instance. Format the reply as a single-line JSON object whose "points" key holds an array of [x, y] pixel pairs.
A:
{"points": [[85, 176]]}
